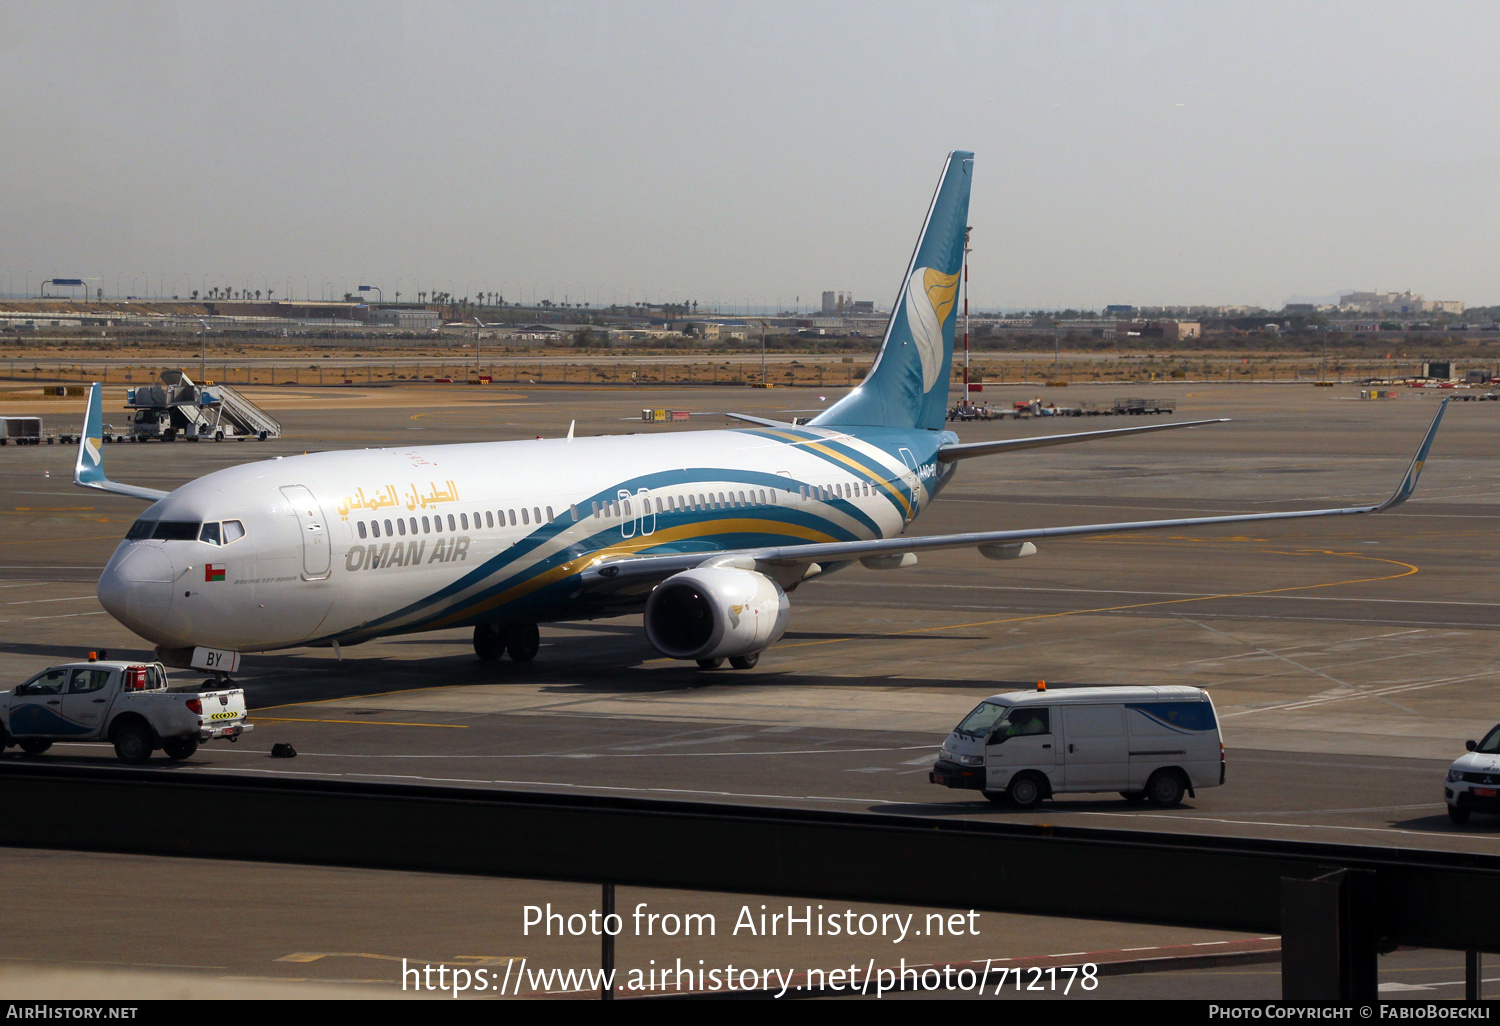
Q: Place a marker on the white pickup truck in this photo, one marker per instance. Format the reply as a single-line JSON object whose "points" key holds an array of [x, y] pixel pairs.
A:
{"points": [[125, 703]]}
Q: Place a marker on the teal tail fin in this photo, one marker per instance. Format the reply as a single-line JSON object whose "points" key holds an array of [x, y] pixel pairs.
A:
{"points": [[88, 469], [908, 385]]}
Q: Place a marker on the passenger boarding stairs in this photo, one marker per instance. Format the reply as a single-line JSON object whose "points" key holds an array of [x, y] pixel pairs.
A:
{"points": [[179, 408]]}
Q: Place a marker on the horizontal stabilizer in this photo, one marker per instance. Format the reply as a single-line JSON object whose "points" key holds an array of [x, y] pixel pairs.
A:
{"points": [[967, 450]]}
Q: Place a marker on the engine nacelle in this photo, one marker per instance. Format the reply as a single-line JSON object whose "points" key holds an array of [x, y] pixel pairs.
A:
{"points": [[711, 612]]}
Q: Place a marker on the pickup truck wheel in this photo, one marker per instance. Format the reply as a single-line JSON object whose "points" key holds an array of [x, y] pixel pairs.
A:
{"points": [[180, 747], [1025, 791], [1165, 789], [133, 743], [35, 746], [1458, 815]]}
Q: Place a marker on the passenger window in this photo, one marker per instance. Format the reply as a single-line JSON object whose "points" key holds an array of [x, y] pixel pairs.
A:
{"points": [[626, 505], [210, 534], [452, 525], [361, 526], [389, 530], [426, 528], [375, 527], [659, 507], [463, 521], [512, 518], [536, 513], [596, 509], [401, 527], [489, 518], [413, 522], [86, 681], [549, 514]]}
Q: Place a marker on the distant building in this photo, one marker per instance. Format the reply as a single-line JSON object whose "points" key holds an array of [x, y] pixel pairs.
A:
{"points": [[404, 318], [830, 304], [1397, 303], [1167, 331]]}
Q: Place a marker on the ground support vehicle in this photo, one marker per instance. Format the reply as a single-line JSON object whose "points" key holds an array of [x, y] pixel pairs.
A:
{"points": [[1148, 743], [127, 704], [1473, 783]]}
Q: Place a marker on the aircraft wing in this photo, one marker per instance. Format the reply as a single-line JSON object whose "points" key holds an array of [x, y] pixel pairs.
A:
{"points": [[88, 470], [992, 544]]}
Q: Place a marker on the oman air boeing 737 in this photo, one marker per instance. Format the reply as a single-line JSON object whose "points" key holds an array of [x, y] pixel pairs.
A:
{"points": [[704, 532]]}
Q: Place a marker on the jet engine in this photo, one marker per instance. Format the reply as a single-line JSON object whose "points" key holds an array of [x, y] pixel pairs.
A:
{"points": [[712, 612]]}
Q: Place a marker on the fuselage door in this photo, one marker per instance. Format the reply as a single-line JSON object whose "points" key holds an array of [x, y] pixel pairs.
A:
{"points": [[313, 527]]}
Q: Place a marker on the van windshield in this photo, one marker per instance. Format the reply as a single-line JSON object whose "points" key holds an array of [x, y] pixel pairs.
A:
{"points": [[982, 719]]}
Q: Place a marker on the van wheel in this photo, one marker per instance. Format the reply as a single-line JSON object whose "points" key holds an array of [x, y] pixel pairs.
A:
{"points": [[35, 746], [1025, 791], [133, 743], [1458, 815], [1133, 797], [1165, 789]]}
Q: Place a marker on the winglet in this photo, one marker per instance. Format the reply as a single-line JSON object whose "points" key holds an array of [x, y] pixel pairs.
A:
{"points": [[1408, 484], [88, 470]]}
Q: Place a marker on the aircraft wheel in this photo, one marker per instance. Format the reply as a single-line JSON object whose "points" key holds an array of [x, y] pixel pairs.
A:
{"points": [[710, 664], [744, 662], [489, 643], [522, 642]]}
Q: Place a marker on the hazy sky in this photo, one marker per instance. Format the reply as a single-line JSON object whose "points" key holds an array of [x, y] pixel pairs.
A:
{"points": [[1142, 153]]}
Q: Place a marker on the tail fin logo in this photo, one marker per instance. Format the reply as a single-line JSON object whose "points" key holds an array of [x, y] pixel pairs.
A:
{"points": [[930, 296]]}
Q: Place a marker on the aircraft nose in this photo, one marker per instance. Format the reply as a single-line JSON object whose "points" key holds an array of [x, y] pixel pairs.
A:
{"points": [[136, 588]]}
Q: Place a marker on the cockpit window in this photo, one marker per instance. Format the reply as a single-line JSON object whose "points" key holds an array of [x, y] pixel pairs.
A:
{"points": [[210, 534], [232, 530], [164, 530]]}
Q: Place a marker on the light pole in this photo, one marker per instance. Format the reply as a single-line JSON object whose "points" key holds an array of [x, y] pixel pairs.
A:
{"points": [[380, 296]]}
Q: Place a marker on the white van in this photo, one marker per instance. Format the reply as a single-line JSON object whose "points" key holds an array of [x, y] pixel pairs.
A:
{"points": [[1148, 743]]}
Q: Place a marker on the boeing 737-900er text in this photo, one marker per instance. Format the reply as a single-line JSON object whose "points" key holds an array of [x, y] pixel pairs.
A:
{"points": [[706, 532]]}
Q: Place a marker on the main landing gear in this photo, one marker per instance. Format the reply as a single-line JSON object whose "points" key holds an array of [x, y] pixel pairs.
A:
{"points": [[518, 640], [739, 662]]}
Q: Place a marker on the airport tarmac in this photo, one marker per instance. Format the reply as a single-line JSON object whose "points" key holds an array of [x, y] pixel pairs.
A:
{"points": [[1348, 659]]}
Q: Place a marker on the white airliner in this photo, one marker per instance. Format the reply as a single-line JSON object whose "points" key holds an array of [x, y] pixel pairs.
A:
{"points": [[704, 531]]}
